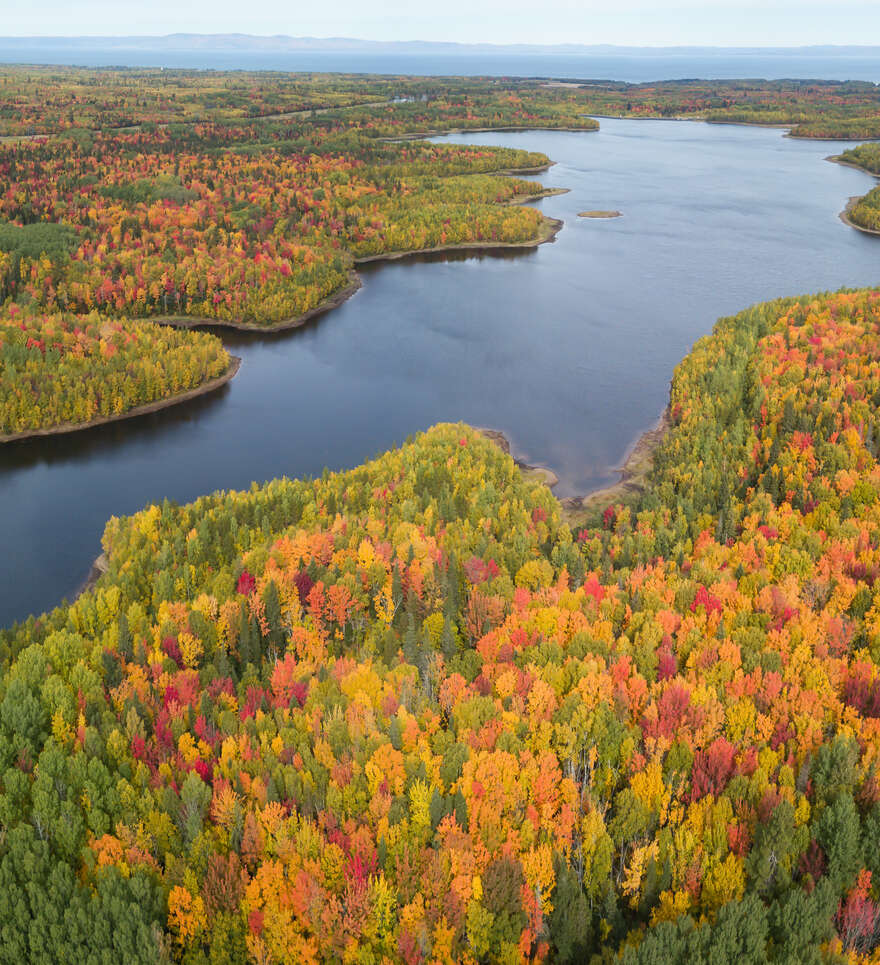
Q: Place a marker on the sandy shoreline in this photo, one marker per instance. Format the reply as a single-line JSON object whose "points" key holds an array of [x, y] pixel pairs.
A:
{"points": [[210, 386], [546, 193], [633, 473], [854, 199], [99, 568], [541, 473], [838, 159], [845, 218]]}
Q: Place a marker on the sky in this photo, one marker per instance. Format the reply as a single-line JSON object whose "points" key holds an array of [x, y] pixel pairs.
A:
{"points": [[632, 22]]}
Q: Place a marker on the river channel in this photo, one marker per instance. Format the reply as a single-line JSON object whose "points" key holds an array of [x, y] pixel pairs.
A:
{"points": [[567, 348]]}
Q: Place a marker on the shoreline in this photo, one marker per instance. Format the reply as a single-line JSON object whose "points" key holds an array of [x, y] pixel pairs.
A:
{"points": [[845, 218], [148, 407], [424, 135], [706, 120], [541, 473], [99, 567], [546, 193], [838, 159], [550, 228], [855, 198], [633, 475], [515, 172], [831, 139], [787, 128], [325, 305], [633, 472]]}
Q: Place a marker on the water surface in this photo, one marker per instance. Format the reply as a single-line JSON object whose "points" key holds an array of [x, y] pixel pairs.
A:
{"points": [[568, 348], [639, 67]]}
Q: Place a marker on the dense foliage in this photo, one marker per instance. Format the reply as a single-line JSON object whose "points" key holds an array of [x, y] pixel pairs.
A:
{"points": [[865, 156], [83, 98], [404, 713], [864, 212], [247, 198], [62, 370], [813, 108], [123, 99], [148, 224]]}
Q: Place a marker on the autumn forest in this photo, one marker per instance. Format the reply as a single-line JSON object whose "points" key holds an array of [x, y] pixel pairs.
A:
{"points": [[419, 711]]}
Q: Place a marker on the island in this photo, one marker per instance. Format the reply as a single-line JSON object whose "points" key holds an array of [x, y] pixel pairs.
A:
{"points": [[600, 214]]}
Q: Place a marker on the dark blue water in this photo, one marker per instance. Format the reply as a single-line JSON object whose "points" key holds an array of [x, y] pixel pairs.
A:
{"points": [[568, 348], [621, 67]]}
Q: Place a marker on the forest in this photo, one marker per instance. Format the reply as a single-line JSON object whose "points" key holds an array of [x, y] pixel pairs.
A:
{"points": [[221, 217], [820, 109], [152, 225], [865, 156], [247, 199], [70, 370], [126, 99], [864, 212], [409, 712], [406, 713]]}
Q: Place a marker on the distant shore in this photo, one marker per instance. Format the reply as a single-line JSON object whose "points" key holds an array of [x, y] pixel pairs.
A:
{"points": [[65, 427], [787, 129], [707, 120], [550, 228], [424, 135]]}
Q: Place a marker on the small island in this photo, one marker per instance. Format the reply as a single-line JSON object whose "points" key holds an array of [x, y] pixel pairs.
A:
{"points": [[600, 214]]}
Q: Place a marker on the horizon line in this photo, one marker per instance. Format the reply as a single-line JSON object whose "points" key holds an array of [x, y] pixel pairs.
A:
{"points": [[229, 35]]}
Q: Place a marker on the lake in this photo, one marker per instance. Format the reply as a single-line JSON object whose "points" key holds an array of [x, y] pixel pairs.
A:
{"points": [[643, 66], [567, 348]]}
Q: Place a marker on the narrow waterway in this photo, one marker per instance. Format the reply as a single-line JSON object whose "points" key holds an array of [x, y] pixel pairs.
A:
{"points": [[568, 348]]}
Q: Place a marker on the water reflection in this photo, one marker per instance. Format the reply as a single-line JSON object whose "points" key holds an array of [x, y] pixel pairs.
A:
{"points": [[567, 348]]}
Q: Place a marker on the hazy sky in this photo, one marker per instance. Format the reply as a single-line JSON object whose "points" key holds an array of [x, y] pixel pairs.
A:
{"points": [[648, 22]]}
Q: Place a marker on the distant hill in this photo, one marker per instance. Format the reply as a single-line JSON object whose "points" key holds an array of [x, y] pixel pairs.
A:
{"points": [[280, 43]]}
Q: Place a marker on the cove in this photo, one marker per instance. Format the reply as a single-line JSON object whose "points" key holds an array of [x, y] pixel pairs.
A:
{"points": [[567, 348]]}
